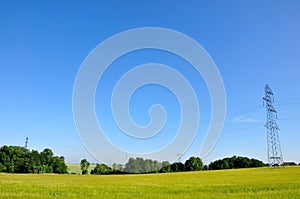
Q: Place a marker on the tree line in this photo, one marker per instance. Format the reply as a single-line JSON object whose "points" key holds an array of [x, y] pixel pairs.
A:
{"points": [[17, 159], [140, 165], [235, 163]]}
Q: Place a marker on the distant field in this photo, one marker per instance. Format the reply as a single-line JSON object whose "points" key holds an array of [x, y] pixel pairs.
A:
{"points": [[239, 183], [75, 168]]}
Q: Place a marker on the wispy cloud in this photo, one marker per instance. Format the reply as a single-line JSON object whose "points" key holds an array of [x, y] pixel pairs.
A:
{"points": [[242, 119]]}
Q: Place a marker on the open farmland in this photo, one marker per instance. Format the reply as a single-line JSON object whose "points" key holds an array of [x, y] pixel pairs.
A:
{"points": [[238, 183]]}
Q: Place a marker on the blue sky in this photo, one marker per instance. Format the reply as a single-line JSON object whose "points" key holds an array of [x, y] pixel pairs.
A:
{"points": [[42, 45]]}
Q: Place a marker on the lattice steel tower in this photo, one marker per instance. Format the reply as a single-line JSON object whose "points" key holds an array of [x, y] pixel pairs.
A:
{"points": [[26, 142], [273, 143]]}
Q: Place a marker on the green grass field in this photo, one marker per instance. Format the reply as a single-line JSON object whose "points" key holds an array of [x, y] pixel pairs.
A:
{"points": [[239, 183]]}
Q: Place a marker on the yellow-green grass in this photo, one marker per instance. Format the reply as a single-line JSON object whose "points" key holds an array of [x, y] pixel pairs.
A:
{"points": [[238, 183]]}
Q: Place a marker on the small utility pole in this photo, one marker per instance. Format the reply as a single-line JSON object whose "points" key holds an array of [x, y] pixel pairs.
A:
{"points": [[26, 142]]}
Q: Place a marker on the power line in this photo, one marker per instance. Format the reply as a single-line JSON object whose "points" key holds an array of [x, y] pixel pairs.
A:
{"points": [[289, 118], [289, 99], [239, 129]]}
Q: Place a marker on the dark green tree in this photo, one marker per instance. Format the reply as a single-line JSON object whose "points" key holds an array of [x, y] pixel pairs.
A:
{"points": [[166, 167], [2, 167], [46, 156], [101, 169], [177, 167], [35, 162], [148, 165], [193, 164], [58, 165], [16, 159], [130, 166], [156, 166], [84, 165], [235, 162]]}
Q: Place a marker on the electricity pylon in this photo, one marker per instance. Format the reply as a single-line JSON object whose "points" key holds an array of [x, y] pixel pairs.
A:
{"points": [[273, 143]]}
